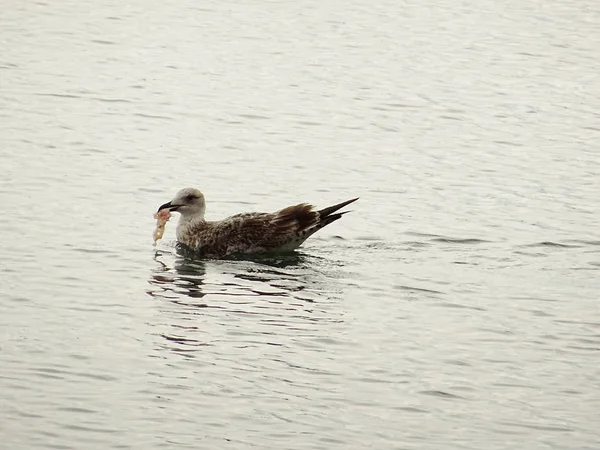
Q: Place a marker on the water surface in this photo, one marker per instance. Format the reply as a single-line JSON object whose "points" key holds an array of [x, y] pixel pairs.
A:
{"points": [[456, 307]]}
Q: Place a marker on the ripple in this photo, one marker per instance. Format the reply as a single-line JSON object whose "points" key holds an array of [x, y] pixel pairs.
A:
{"points": [[459, 306], [441, 394], [59, 95], [417, 289], [254, 116], [448, 240], [534, 426], [111, 100], [551, 245], [102, 42], [152, 116]]}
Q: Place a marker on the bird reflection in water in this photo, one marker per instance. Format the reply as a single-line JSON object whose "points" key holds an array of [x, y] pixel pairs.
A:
{"points": [[197, 295], [187, 275]]}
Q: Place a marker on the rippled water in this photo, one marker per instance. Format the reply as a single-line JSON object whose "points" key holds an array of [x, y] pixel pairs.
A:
{"points": [[456, 307]]}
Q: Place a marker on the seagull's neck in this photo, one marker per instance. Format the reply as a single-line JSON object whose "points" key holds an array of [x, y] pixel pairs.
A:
{"points": [[190, 219], [187, 222]]}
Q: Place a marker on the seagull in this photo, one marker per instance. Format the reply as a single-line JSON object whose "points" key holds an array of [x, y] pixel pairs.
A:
{"points": [[281, 231]]}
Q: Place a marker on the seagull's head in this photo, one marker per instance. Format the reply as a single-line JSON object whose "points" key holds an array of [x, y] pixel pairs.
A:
{"points": [[189, 202]]}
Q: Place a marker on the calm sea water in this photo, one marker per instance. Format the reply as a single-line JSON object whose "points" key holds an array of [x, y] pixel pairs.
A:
{"points": [[455, 308]]}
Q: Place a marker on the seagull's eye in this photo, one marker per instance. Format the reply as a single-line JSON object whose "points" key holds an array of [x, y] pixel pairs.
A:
{"points": [[189, 197]]}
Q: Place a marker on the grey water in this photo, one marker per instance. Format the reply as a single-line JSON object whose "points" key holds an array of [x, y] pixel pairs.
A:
{"points": [[456, 307]]}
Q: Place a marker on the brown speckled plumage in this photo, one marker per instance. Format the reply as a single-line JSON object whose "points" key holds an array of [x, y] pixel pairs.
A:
{"points": [[283, 230]]}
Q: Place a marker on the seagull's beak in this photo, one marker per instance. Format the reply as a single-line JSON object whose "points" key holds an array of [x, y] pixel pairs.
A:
{"points": [[168, 206]]}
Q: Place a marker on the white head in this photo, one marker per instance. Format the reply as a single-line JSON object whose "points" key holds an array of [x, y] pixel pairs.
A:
{"points": [[189, 202]]}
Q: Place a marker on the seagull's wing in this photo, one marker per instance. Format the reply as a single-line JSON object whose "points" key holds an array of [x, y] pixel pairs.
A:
{"points": [[258, 232], [262, 231]]}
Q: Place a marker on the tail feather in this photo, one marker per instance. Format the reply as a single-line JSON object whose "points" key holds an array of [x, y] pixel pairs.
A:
{"points": [[331, 218], [326, 213], [306, 226]]}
